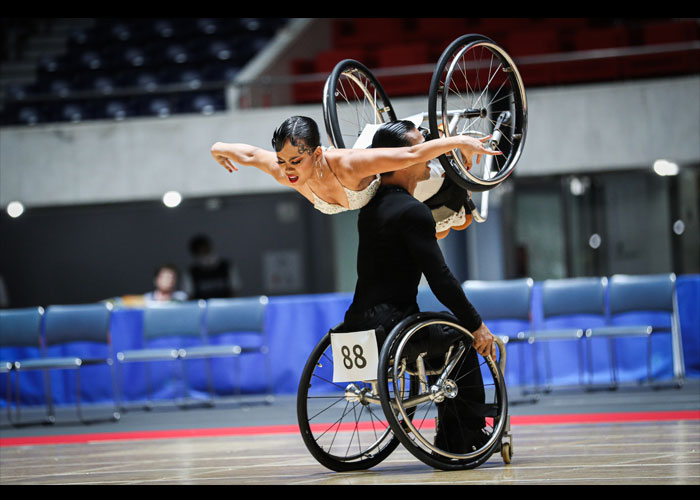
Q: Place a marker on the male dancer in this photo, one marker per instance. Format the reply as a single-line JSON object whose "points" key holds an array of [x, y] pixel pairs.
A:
{"points": [[397, 244]]}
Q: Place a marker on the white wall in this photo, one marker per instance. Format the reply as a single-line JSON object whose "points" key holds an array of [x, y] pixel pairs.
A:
{"points": [[131, 160], [570, 129], [612, 126]]}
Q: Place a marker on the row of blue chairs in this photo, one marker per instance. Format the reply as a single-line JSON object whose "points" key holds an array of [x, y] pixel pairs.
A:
{"points": [[162, 105], [580, 310], [54, 335]]}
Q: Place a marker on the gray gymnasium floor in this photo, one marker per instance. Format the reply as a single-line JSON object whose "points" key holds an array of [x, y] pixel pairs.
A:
{"points": [[254, 411], [631, 436]]}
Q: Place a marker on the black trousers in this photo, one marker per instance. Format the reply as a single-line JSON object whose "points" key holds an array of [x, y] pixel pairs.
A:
{"points": [[460, 419]]}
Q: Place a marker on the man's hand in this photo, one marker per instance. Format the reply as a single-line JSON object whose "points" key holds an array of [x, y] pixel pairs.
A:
{"points": [[484, 341]]}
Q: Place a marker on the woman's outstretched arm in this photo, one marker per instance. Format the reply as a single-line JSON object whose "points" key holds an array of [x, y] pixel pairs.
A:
{"points": [[373, 161], [228, 155]]}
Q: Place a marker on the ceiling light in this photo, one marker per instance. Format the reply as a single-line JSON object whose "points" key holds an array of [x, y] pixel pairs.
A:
{"points": [[665, 167], [172, 199], [15, 209]]}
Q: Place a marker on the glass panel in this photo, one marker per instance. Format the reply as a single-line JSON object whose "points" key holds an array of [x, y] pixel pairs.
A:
{"points": [[539, 235]]}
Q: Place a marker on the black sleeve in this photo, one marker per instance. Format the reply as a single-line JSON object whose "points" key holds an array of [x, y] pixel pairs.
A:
{"points": [[418, 228]]}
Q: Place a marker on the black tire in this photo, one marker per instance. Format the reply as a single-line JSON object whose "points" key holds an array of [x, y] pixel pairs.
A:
{"points": [[352, 99], [341, 435], [418, 434], [470, 68]]}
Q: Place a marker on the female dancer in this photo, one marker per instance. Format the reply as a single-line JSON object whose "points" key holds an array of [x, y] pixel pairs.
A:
{"points": [[335, 180]]}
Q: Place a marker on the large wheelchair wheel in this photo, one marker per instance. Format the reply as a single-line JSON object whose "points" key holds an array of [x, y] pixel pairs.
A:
{"points": [[342, 425], [353, 99], [459, 408], [476, 90]]}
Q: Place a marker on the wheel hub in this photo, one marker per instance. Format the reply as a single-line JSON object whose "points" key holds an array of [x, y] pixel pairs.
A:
{"points": [[448, 390]]}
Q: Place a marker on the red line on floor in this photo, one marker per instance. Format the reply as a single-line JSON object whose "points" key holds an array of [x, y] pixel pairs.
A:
{"points": [[516, 420]]}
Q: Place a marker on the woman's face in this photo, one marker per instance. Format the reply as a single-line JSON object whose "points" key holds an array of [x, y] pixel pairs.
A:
{"points": [[166, 280], [297, 162]]}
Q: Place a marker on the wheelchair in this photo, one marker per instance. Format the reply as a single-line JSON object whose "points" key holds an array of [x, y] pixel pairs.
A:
{"points": [[475, 89], [355, 425], [358, 398]]}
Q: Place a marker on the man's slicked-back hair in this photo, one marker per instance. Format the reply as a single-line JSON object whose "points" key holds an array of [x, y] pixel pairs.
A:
{"points": [[393, 134], [301, 131]]}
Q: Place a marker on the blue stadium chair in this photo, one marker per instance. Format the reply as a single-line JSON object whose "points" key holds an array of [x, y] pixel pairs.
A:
{"points": [[6, 371], [164, 28], [78, 37], [105, 84], [221, 71], [134, 56], [51, 64], [19, 329], [142, 79], [160, 106], [30, 115], [505, 307], [90, 59], [242, 319], [121, 31], [205, 103], [570, 307], [190, 77], [642, 306], [75, 111], [177, 53], [208, 26], [60, 87], [16, 92], [118, 109], [167, 328], [67, 331], [220, 50]]}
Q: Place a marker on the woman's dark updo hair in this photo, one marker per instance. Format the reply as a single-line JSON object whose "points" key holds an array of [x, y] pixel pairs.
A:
{"points": [[301, 132]]}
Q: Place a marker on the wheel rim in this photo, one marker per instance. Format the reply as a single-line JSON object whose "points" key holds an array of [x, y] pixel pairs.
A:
{"points": [[353, 99], [343, 430], [475, 88]]}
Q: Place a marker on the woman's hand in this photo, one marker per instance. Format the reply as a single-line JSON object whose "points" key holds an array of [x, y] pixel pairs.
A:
{"points": [[470, 146], [224, 156]]}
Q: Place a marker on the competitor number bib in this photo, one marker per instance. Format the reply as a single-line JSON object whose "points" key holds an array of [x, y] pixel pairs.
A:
{"points": [[355, 356]]}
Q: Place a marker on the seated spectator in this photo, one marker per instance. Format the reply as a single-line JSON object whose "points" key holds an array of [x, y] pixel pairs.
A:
{"points": [[210, 276], [165, 282]]}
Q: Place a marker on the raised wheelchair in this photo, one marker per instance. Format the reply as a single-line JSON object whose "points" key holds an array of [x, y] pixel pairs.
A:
{"points": [[475, 89], [358, 398]]}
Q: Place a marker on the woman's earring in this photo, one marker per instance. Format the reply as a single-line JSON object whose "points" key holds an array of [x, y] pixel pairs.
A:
{"points": [[318, 168]]}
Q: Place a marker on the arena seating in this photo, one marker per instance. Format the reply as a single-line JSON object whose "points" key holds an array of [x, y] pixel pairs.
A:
{"points": [[372, 42], [173, 63], [139, 67]]}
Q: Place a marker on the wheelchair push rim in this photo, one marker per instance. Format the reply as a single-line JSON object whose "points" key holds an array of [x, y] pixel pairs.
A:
{"points": [[476, 89]]}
